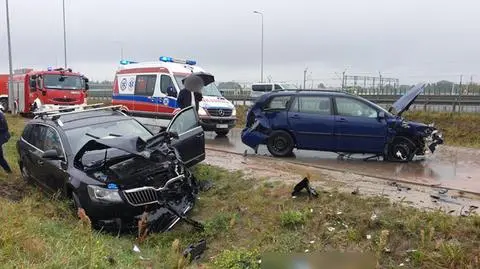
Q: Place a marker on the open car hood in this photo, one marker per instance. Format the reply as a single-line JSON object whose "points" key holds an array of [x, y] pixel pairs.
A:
{"points": [[403, 104], [133, 145]]}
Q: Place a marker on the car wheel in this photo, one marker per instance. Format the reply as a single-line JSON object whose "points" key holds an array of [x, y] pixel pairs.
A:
{"points": [[280, 144], [222, 132], [400, 151], [4, 103]]}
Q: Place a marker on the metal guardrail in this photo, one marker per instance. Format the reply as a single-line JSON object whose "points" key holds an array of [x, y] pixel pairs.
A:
{"points": [[454, 102]]}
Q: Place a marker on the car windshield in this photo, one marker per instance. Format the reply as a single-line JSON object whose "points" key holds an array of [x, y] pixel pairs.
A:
{"points": [[209, 90], [63, 82], [80, 136]]}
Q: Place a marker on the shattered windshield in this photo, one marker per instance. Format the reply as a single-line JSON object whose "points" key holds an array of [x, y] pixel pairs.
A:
{"points": [[209, 90], [80, 136], [63, 82]]}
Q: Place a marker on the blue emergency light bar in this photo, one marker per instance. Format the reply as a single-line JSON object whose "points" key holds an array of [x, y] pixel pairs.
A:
{"points": [[172, 60], [125, 62]]}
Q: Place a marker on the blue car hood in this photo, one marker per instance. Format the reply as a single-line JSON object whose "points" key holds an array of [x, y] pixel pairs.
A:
{"points": [[403, 104]]}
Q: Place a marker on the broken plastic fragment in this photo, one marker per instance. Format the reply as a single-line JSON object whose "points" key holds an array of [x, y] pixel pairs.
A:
{"points": [[312, 242], [369, 236], [136, 249], [331, 229], [373, 217], [195, 250], [339, 213], [306, 251], [401, 265]]}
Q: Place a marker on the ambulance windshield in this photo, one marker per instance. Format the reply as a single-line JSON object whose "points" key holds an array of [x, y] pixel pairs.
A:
{"points": [[209, 90]]}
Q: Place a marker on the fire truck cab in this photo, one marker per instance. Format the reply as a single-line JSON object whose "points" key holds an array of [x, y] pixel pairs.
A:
{"points": [[51, 89], [150, 90]]}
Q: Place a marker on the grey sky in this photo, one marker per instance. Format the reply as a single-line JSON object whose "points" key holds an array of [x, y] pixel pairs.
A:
{"points": [[417, 40]]}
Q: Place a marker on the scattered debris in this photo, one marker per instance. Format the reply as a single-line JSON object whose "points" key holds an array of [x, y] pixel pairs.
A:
{"points": [[356, 191], [411, 250], [85, 220], [142, 228], [373, 217], [339, 213], [331, 229], [110, 260], [451, 211], [387, 250], [473, 207], [195, 251], [205, 185], [136, 249], [369, 236], [304, 184], [399, 187], [245, 153], [306, 251], [401, 265], [312, 242], [443, 198]]}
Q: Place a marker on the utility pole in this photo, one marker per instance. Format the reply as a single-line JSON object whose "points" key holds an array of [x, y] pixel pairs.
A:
{"points": [[343, 80], [261, 14], [64, 35], [10, 65], [305, 78]]}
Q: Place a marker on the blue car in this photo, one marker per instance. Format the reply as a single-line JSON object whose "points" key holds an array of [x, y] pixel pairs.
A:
{"points": [[337, 122]]}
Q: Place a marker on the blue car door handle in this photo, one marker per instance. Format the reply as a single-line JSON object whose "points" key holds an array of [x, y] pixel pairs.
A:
{"points": [[341, 120], [295, 116]]}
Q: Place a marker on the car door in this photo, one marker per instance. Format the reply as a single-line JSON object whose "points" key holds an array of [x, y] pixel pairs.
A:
{"points": [[357, 126], [32, 154], [27, 150], [54, 172], [312, 121], [191, 137]]}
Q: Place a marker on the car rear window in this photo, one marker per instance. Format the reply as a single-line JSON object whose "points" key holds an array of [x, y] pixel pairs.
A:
{"points": [[278, 102]]}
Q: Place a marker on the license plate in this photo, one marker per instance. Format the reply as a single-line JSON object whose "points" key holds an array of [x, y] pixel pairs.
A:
{"points": [[222, 126]]}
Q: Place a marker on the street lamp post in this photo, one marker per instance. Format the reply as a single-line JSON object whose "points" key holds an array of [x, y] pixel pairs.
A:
{"points": [[10, 65], [64, 36], [261, 14]]}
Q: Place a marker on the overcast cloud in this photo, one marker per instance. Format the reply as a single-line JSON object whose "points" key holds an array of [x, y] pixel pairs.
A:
{"points": [[412, 40]]}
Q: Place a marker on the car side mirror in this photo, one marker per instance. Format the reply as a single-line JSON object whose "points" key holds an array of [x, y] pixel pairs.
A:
{"points": [[381, 115], [51, 154]]}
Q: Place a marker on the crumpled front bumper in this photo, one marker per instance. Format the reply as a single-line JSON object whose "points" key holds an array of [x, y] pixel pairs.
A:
{"points": [[434, 139]]}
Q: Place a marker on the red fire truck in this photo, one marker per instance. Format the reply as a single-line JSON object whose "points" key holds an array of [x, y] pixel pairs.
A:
{"points": [[4, 90], [46, 89]]}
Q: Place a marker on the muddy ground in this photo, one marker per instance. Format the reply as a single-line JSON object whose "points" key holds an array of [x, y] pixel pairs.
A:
{"points": [[275, 170]]}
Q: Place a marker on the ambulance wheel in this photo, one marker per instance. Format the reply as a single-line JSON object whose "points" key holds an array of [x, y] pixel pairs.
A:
{"points": [[222, 132], [280, 144], [4, 103]]}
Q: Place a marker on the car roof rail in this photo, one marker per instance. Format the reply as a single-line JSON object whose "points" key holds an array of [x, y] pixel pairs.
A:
{"points": [[55, 114]]}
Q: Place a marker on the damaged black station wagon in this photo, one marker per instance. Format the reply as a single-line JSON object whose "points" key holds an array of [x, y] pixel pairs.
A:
{"points": [[113, 167]]}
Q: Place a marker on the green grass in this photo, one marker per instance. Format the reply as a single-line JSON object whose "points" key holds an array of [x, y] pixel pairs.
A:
{"points": [[244, 218]]}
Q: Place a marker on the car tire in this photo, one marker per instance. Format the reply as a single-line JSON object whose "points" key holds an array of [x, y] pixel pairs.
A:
{"points": [[222, 132], [401, 150], [280, 144]]}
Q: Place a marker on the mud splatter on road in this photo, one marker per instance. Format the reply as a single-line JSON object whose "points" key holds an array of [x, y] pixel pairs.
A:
{"points": [[277, 170]]}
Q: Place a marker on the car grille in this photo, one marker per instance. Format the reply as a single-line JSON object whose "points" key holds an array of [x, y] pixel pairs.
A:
{"points": [[146, 195], [220, 112], [64, 100]]}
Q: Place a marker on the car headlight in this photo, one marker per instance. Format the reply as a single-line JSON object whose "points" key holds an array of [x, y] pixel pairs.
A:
{"points": [[103, 194], [234, 112], [202, 112]]}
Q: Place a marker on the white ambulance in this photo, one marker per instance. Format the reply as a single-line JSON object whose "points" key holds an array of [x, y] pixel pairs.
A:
{"points": [[150, 89]]}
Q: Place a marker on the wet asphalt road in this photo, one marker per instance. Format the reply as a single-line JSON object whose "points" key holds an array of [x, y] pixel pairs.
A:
{"points": [[456, 168], [449, 167]]}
